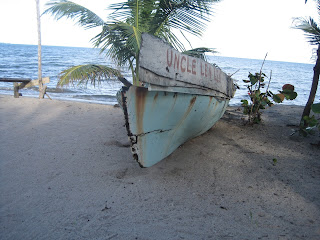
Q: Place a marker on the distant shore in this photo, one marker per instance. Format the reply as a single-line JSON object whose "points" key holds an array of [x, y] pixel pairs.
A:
{"points": [[67, 173]]}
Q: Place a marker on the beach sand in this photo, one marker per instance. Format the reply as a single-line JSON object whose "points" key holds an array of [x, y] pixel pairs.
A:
{"points": [[67, 173]]}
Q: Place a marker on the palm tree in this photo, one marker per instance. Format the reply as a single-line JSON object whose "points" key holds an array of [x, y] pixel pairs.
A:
{"points": [[312, 32], [120, 37], [42, 89]]}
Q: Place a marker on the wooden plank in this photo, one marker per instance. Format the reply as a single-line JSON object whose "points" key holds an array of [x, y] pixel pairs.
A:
{"points": [[160, 58], [153, 78], [15, 80], [34, 83], [198, 91], [19, 83], [159, 83], [28, 81]]}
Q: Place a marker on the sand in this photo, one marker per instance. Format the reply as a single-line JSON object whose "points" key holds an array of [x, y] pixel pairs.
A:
{"points": [[67, 173]]}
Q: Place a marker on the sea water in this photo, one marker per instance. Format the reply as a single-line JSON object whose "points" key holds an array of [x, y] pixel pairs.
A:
{"points": [[21, 61]]}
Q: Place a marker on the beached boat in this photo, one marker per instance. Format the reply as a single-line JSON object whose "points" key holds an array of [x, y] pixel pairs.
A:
{"points": [[182, 97]]}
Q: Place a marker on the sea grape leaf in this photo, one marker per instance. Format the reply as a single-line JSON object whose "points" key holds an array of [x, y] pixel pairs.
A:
{"points": [[288, 87], [253, 80], [311, 121], [286, 91], [316, 107], [291, 96], [244, 102], [278, 98]]}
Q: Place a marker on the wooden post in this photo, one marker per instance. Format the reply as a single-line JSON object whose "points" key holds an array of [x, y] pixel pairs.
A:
{"points": [[16, 90]]}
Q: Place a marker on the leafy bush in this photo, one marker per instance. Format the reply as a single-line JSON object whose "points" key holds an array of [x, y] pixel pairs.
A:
{"points": [[259, 99], [311, 123]]}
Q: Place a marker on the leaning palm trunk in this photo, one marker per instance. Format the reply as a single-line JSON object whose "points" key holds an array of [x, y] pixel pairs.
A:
{"points": [[42, 89], [313, 91], [311, 30]]}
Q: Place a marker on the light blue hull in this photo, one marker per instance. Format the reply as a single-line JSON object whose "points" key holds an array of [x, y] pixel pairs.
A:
{"points": [[158, 122]]}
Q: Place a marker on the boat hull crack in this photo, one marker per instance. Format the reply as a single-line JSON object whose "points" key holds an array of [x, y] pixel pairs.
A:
{"points": [[159, 122]]}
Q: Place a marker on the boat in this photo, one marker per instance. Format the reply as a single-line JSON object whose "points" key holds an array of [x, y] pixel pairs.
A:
{"points": [[180, 97]]}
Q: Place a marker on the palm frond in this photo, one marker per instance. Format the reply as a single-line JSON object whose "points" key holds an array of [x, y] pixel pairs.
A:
{"points": [[169, 37], [131, 33], [83, 16], [121, 41], [188, 15], [87, 73], [310, 28], [318, 6], [120, 38], [158, 17], [135, 12], [199, 52]]}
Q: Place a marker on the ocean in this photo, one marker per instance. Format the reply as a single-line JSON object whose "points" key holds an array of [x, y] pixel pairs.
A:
{"points": [[21, 61]]}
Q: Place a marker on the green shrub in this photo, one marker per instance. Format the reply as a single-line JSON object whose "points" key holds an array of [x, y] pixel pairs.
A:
{"points": [[259, 99]]}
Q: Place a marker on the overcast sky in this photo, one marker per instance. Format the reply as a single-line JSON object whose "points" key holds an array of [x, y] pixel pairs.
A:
{"points": [[246, 28]]}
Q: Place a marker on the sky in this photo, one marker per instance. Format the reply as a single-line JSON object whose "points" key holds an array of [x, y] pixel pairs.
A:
{"points": [[244, 29]]}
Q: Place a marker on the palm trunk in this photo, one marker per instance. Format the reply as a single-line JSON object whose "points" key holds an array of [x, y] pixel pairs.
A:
{"points": [[137, 69], [42, 89], [313, 91]]}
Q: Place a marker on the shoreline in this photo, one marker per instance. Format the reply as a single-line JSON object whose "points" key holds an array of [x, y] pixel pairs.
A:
{"points": [[102, 102], [67, 173], [70, 99]]}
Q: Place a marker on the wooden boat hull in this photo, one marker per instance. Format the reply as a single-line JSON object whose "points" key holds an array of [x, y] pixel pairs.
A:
{"points": [[180, 98], [158, 122]]}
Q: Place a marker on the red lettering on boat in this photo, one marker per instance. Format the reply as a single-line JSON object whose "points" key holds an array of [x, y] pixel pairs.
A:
{"points": [[188, 70], [176, 61], [194, 64], [183, 69]]}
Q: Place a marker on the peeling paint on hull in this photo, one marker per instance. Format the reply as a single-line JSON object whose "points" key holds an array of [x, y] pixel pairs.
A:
{"points": [[158, 122]]}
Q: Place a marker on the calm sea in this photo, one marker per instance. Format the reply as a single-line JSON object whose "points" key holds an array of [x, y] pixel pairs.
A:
{"points": [[21, 61]]}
